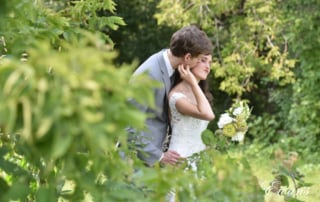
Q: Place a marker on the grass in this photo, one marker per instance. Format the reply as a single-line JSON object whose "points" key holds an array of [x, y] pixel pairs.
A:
{"points": [[262, 166]]}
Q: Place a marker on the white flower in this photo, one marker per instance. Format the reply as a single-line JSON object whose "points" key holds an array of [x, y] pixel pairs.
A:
{"points": [[224, 119], [239, 136], [237, 111]]}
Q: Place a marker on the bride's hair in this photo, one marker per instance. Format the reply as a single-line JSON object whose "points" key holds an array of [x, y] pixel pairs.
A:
{"points": [[203, 85]]}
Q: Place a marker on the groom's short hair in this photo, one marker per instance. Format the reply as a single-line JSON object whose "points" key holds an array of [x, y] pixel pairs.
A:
{"points": [[190, 39]]}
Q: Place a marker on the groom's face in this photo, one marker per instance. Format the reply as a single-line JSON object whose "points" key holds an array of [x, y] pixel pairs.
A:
{"points": [[191, 61]]}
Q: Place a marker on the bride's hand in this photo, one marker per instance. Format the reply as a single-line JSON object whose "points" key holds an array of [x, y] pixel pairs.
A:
{"points": [[170, 157], [186, 74]]}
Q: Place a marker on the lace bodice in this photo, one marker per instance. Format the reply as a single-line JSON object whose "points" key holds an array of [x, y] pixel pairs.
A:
{"points": [[186, 130]]}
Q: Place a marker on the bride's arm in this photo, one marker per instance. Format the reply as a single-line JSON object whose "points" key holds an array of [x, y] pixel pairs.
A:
{"points": [[202, 109]]}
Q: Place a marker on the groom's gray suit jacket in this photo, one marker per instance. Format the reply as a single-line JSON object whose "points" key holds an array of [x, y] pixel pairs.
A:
{"points": [[150, 141]]}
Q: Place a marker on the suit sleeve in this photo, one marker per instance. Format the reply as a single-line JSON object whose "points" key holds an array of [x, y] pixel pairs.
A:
{"points": [[148, 142], [143, 141]]}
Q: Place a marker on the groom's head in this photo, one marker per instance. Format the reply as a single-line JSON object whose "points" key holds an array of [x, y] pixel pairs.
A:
{"points": [[190, 40]]}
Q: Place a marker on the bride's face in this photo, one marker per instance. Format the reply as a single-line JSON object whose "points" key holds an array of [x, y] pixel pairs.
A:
{"points": [[201, 68], [193, 61]]}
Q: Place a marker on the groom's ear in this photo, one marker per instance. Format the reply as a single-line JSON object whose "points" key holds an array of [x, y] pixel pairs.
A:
{"points": [[187, 58]]}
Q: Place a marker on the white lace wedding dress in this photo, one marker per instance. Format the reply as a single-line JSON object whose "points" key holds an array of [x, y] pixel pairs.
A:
{"points": [[186, 130], [185, 136]]}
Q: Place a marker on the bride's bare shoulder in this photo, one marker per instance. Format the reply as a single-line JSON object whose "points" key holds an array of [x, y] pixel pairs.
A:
{"points": [[176, 89]]}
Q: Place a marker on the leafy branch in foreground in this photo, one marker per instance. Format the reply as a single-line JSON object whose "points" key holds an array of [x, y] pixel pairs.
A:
{"points": [[284, 172]]}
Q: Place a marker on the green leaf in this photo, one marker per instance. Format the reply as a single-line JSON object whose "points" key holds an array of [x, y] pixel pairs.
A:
{"points": [[4, 187], [12, 168], [46, 195], [208, 137], [3, 150], [18, 191], [284, 180], [61, 144]]}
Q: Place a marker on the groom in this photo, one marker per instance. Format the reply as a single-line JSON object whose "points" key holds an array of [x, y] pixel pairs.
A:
{"points": [[186, 45]]}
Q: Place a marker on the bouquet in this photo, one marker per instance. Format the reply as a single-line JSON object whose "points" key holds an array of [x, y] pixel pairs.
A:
{"points": [[233, 123]]}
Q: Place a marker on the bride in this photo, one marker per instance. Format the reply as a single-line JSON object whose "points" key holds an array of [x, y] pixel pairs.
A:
{"points": [[190, 108]]}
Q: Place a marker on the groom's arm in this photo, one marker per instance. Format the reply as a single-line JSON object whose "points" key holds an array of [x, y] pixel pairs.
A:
{"points": [[145, 141], [150, 154]]}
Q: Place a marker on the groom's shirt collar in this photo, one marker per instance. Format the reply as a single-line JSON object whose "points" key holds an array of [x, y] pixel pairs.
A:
{"points": [[167, 62]]}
